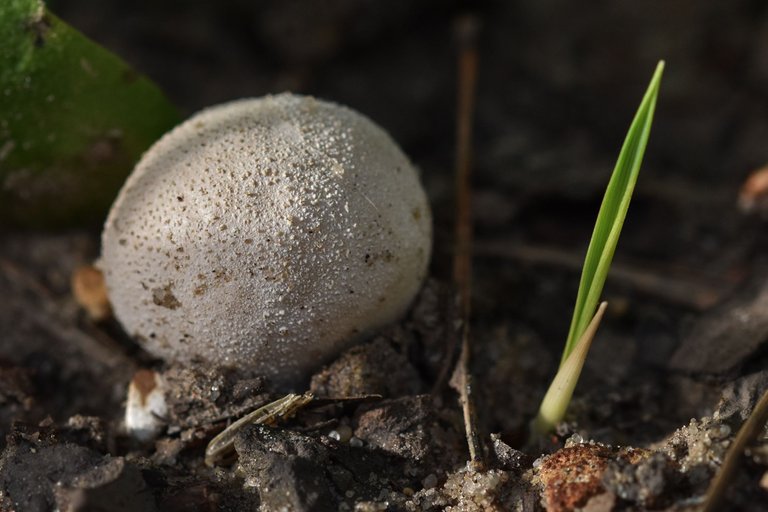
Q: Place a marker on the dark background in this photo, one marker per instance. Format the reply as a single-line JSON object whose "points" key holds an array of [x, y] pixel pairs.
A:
{"points": [[558, 85]]}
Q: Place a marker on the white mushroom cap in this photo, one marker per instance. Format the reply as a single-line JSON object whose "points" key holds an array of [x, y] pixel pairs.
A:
{"points": [[266, 234]]}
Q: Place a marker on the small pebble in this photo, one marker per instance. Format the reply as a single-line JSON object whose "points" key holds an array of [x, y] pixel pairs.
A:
{"points": [[356, 442], [574, 440], [146, 406], [430, 481], [718, 432], [342, 434]]}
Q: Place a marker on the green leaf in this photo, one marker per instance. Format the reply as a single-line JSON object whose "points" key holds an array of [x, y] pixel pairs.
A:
{"points": [[610, 219], [74, 119]]}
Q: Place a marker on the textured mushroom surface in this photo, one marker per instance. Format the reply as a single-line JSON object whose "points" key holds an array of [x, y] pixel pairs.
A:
{"points": [[266, 234]]}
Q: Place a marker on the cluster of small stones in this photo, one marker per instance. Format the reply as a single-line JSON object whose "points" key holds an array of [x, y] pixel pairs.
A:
{"points": [[266, 234], [466, 490], [699, 448]]}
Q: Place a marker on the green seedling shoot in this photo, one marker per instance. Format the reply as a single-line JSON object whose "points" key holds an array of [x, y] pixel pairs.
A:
{"points": [[602, 246]]}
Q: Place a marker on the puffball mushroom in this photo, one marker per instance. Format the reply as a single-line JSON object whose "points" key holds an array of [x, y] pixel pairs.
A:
{"points": [[266, 234]]}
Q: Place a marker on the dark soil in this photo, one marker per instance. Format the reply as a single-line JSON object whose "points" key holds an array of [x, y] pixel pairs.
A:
{"points": [[677, 366]]}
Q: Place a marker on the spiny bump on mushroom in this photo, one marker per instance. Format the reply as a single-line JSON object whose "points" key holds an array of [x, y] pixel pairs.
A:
{"points": [[266, 234]]}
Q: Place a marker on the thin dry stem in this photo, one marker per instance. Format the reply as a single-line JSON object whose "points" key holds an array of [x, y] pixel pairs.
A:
{"points": [[747, 434], [672, 285], [462, 263]]}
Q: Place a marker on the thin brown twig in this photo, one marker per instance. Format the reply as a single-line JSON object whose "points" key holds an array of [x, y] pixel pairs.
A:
{"points": [[462, 263], [747, 434], [448, 362], [694, 292]]}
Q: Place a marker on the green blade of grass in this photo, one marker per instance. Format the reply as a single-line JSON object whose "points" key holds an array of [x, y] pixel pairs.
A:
{"points": [[612, 213]]}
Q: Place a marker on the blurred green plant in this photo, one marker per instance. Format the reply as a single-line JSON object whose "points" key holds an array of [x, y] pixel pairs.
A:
{"points": [[74, 119], [602, 246]]}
